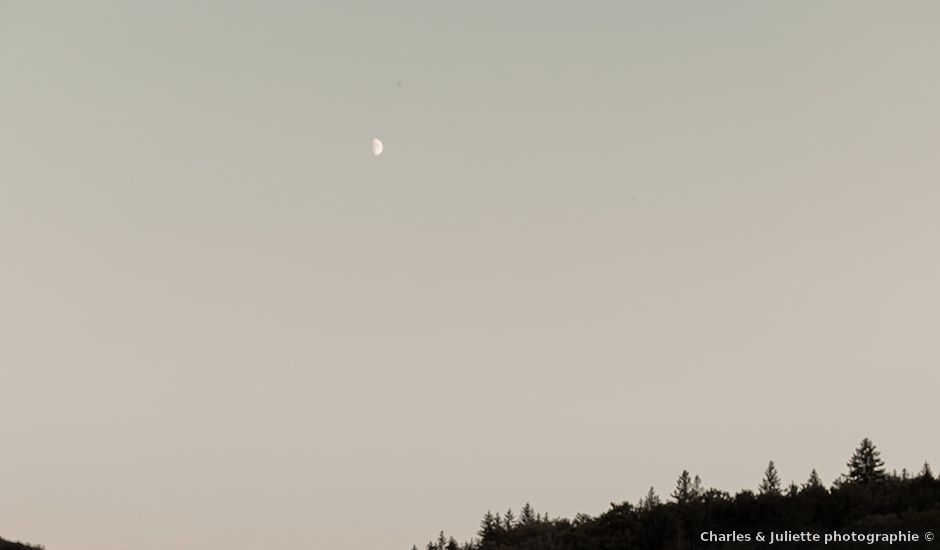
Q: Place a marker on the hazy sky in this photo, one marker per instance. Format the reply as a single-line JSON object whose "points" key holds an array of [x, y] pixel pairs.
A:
{"points": [[606, 241]]}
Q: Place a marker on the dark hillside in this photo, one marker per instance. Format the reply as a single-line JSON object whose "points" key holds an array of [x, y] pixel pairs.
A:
{"points": [[866, 504], [9, 545]]}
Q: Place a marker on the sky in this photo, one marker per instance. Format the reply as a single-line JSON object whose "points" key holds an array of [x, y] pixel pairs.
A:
{"points": [[606, 242]]}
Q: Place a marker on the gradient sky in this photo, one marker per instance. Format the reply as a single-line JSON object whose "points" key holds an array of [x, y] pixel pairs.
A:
{"points": [[607, 241]]}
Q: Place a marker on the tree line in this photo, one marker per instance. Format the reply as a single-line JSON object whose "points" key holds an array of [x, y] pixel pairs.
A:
{"points": [[866, 498], [10, 545]]}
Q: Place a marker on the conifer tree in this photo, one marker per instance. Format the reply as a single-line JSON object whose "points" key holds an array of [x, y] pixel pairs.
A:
{"points": [[770, 485], [650, 501], [925, 472], [581, 519], [509, 520], [866, 465], [814, 483], [527, 515], [685, 491], [488, 527]]}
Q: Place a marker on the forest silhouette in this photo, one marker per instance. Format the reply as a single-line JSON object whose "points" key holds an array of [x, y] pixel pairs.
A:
{"points": [[10, 545], [865, 499]]}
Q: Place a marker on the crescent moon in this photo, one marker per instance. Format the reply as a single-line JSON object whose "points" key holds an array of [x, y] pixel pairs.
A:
{"points": [[377, 147]]}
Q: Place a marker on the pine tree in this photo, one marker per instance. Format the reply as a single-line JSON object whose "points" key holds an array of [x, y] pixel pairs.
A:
{"points": [[527, 515], [509, 520], [489, 526], [925, 472], [686, 490], [771, 482], [814, 483], [581, 519], [650, 501], [866, 465]]}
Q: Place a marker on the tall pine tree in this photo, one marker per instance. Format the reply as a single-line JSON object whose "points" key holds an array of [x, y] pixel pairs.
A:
{"points": [[866, 465], [814, 483], [489, 527], [650, 501], [527, 515], [687, 489], [770, 485]]}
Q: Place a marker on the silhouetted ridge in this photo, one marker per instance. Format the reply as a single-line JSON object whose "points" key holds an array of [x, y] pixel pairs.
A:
{"points": [[866, 499], [10, 545]]}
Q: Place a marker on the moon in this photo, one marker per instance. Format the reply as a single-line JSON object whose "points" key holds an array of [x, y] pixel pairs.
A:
{"points": [[377, 147]]}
